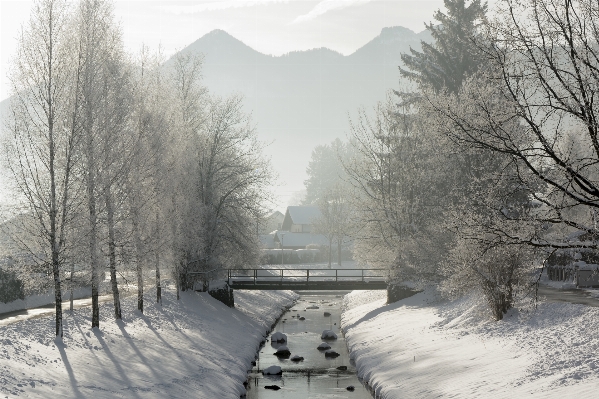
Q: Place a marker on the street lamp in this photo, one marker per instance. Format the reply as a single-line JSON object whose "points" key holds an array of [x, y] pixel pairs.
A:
{"points": [[282, 249]]}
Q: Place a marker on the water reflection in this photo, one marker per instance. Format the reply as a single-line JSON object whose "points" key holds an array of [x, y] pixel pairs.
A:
{"points": [[317, 376]]}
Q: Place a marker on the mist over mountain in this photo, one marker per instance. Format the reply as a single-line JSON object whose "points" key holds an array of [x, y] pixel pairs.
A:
{"points": [[303, 98]]}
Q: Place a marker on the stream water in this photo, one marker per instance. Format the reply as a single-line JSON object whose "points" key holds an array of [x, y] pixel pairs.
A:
{"points": [[316, 376]]}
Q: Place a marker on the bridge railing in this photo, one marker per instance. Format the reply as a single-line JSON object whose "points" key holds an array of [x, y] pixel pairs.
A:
{"points": [[258, 276]]}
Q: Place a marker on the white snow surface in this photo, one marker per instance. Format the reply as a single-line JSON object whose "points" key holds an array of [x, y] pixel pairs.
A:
{"points": [[195, 347], [425, 347]]}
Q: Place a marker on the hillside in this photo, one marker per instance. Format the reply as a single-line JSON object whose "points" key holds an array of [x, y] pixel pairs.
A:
{"points": [[303, 98]]}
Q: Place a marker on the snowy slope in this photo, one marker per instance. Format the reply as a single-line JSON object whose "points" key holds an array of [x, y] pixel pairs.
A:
{"points": [[424, 347], [196, 347]]}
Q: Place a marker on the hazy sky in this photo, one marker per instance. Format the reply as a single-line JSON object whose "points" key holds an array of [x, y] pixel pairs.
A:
{"points": [[269, 26]]}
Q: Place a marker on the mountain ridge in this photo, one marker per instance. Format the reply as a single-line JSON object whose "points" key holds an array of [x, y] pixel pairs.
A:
{"points": [[303, 98]]}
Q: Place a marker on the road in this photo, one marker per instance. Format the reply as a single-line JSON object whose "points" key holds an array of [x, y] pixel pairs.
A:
{"points": [[567, 295], [20, 315]]}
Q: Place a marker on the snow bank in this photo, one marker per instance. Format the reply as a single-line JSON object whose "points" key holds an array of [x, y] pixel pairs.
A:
{"points": [[195, 347], [424, 347]]}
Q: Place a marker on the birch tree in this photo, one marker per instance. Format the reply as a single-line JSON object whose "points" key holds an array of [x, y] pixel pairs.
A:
{"points": [[100, 82], [44, 133]]}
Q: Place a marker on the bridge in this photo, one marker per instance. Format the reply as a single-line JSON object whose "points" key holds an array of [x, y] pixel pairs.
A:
{"points": [[307, 279]]}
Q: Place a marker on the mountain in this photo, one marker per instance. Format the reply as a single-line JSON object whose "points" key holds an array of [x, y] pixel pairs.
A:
{"points": [[303, 98]]}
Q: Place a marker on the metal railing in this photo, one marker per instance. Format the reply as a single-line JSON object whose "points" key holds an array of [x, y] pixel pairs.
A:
{"points": [[307, 277]]}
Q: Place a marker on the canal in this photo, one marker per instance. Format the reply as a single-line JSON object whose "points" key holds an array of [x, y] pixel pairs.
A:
{"points": [[317, 376]]}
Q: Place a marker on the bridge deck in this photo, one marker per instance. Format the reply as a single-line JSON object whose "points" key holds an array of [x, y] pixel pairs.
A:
{"points": [[307, 279]]}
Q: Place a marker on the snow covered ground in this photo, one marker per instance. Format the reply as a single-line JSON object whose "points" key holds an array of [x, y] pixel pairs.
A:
{"points": [[425, 347], [196, 347]]}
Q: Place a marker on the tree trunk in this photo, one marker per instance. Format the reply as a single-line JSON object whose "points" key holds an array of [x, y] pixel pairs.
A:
{"points": [[138, 260], [57, 292], [330, 252], [158, 286], [112, 254], [71, 296], [339, 242], [53, 207]]}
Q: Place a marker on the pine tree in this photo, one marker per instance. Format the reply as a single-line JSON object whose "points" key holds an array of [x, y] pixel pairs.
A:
{"points": [[452, 56]]}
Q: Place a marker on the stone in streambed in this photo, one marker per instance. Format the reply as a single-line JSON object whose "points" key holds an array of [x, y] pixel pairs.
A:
{"points": [[323, 346], [331, 353], [328, 334], [278, 337], [272, 370], [283, 352]]}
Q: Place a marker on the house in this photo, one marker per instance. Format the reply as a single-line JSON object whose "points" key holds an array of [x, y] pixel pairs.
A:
{"points": [[295, 231], [299, 219], [272, 222]]}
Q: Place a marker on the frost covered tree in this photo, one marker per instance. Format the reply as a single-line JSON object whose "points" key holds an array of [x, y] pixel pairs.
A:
{"points": [[102, 87], [233, 182], [43, 124], [452, 57], [325, 170], [335, 220], [401, 179], [224, 176], [534, 104]]}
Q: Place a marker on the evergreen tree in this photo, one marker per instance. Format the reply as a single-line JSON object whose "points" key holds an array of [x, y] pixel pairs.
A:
{"points": [[451, 57]]}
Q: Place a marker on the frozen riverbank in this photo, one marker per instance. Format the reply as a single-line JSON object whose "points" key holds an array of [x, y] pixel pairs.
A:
{"points": [[424, 347], [195, 347]]}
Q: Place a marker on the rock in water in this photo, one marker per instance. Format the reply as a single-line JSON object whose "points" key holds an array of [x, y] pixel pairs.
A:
{"points": [[273, 387], [296, 358], [331, 353], [278, 337], [326, 314], [302, 318], [272, 370], [323, 346], [351, 388], [282, 351], [342, 368], [328, 334]]}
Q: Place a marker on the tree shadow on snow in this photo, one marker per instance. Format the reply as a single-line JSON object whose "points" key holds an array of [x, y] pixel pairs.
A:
{"points": [[65, 360], [117, 365], [413, 300]]}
